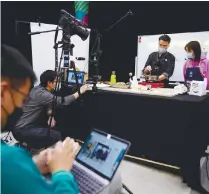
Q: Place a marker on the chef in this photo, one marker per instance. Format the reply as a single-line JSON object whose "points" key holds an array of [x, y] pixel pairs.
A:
{"points": [[161, 63]]}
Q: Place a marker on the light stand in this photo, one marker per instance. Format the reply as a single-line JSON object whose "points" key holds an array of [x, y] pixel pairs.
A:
{"points": [[95, 62], [67, 48], [96, 54], [17, 22], [129, 13], [70, 26]]}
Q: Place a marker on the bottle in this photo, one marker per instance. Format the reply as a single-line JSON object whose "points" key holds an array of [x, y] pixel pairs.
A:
{"points": [[113, 78], [142, 77]]}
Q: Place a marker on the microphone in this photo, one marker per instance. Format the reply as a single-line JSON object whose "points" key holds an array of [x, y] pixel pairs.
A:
{"points": [[39, 21], [80, 58], [130, 12]]}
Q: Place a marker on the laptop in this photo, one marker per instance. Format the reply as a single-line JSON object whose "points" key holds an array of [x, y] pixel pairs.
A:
{"points": [[71, 80], [98, 160]]}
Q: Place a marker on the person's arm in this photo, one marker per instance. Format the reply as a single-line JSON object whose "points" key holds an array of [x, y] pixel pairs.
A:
{"points": [[26, 178], [204, 68], [170, 67], [47, 98], [207, 75], [63, 183], [71, 98], [148, 63], [184, 70]]}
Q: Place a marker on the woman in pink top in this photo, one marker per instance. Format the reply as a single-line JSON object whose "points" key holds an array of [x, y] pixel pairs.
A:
{"points": [[197, 66]]}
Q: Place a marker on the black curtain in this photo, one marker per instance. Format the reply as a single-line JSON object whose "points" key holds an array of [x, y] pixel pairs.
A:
{"points": [[120, 44]]}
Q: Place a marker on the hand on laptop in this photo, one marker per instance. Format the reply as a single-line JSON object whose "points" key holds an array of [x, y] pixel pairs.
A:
{"points": [[62, 156], [41, 160]]}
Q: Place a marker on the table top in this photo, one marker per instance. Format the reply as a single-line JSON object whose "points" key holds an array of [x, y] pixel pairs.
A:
{"points": [[165, 93], [168, 92]]}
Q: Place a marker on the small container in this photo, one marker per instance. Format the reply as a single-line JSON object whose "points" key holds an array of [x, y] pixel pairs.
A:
{"points": [[113, 78]]}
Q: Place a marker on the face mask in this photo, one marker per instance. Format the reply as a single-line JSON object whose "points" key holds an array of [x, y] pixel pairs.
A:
{"points": [[162, 50], [189, 56], [12, 119]]}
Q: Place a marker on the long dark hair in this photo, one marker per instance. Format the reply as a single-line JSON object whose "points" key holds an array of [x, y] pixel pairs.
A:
{"points": [[195, 46]]}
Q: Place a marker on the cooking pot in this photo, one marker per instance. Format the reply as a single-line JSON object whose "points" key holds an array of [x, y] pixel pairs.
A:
{"points": [[151, 78]]}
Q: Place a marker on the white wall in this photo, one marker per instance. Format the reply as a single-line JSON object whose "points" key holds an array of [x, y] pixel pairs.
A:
{"points": [[43, 52], [149, 44]]}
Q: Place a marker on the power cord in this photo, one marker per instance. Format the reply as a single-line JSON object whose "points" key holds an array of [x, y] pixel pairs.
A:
{"points": [[92, 49], [127, 189]]}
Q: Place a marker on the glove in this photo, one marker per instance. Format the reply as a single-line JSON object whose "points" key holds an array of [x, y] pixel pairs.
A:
{"points": [[83, 89]]}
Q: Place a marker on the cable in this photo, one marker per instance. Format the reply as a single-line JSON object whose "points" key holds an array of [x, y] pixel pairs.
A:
{"points": [[92, 49], [127, 189]]}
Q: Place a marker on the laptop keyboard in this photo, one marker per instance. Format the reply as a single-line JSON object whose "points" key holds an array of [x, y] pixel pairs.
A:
{"points": [[86, 182]]}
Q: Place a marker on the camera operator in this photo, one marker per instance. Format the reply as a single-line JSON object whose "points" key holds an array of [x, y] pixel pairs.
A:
{"points": [[21, 174], [33, 124]]}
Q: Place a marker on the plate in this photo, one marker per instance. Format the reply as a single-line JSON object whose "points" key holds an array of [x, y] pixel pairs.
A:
{"points": [[100, 85]]}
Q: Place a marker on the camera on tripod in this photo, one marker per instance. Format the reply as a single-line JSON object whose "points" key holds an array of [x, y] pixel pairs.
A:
{"points": [[71, 26]]}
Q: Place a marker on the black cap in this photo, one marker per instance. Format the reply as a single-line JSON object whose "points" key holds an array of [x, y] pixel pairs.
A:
{"points": [[15, 65]]}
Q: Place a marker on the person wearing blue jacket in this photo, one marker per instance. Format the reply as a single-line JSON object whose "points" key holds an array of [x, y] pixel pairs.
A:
{"points": [[20, 172]]}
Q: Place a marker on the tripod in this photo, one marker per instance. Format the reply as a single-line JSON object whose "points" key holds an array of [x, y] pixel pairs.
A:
{"points": [[95, 62], [96, 53], [67, 25], [67, 50]]}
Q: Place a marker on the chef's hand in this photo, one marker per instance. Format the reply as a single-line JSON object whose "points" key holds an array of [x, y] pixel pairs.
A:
{"points": [[147, 69], [161, 77]]}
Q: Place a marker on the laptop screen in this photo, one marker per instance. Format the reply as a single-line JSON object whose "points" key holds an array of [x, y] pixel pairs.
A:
{"points": [[103, 153], [71, 77]]}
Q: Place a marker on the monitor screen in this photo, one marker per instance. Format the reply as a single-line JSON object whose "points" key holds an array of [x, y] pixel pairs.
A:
{"points": [[71, 77], [102, 153]]}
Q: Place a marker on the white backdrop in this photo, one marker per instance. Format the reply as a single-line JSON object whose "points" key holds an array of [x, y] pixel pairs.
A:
{"points": [[43, 52], [149, 44]]}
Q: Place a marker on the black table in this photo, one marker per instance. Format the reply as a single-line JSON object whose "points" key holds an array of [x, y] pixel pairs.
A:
{"points": [[171, 130]]}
